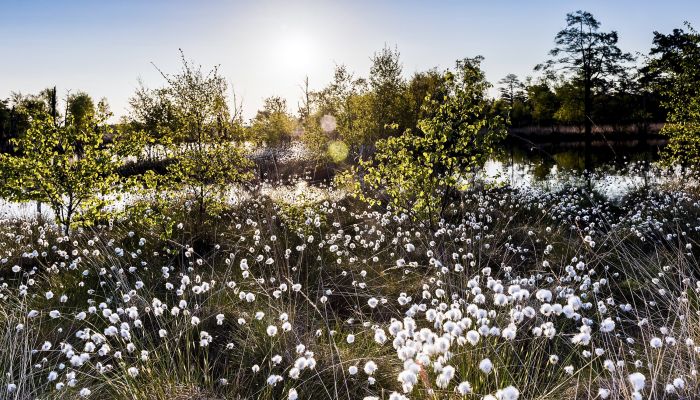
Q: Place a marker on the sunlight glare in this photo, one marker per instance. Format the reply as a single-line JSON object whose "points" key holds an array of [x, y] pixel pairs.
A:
{"points": [[297, 50]]}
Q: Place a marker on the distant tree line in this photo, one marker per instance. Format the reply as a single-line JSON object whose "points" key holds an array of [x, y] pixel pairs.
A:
{"points": [[415, 139], [189, 133], [588, 80]]}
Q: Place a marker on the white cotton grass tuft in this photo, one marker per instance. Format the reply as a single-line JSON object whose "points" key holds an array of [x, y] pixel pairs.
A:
{"points": [[607, 325], [373, 302], [508, 393], [464, 388], [486, 366], [370, 367], [637, 381]]}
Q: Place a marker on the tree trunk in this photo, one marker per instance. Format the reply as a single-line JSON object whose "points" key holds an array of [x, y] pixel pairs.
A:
{"points": [[588, 124], [644, 142], [66, 222], [274, 163], [588, 121], [201, 206]]}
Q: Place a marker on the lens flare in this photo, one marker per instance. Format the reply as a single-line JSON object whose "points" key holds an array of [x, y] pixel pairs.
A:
{"points": [[337, 151], [328, 123]]}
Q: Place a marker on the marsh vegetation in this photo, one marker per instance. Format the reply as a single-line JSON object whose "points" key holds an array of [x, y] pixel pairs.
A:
{"points": [[395, 239]]}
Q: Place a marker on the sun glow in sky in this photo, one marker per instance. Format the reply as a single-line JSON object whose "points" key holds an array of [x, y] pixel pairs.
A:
{"points": [[297, 51], [267, 47]]}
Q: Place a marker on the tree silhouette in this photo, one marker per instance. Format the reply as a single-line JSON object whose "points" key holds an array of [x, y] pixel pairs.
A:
{"points": [[511, 88], [591, 58]]}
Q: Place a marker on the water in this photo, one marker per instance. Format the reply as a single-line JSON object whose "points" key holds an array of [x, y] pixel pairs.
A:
{"points": [[616, 172], [11, 210]]}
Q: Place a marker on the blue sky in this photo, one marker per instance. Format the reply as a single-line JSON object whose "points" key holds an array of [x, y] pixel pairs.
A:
{"points": [[267, 47]]}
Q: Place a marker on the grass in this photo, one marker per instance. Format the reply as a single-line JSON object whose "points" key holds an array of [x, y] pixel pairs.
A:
{"points": [[315, 265]]}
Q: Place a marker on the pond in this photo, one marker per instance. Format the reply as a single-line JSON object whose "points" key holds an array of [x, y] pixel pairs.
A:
{"points": [[616, 171]]}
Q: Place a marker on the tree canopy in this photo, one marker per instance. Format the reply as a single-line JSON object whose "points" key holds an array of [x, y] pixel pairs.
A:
{"points": [[65, 164], [420, 169], [591, 58]]}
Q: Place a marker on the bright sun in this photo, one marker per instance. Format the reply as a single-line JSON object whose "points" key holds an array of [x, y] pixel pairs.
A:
{"points": [[297, 50]]}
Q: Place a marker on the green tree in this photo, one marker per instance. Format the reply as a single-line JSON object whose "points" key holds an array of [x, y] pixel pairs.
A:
{"points": [[666, 57], [366, 109], [33, 104], [347, 101], [387, 86], [66, 165], [571, 106], [18, 111], [421, 169], [6, 125], [543, 102], [80, 107], [206, 158], [152, 118], [676, 72], [591, 58], [513, 100], [418, 90], [273, 127]]}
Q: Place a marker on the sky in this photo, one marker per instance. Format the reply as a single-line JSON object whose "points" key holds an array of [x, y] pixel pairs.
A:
{"points": [[267, 47]]}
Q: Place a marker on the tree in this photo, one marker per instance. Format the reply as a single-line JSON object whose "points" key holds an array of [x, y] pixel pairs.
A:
{"points": [[308, 100], [590, 57], [421, 169], [417, 92], [571, 105], [512, 102], [152, 117], [313, 135], [674, 69], [66, 165], [543, 102], [366, 110], [16, 112], [80, 107], [347, 102], [206, 159], [273, 126], [6, 125], [666, 57], [387, 86], [511, 89]]}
